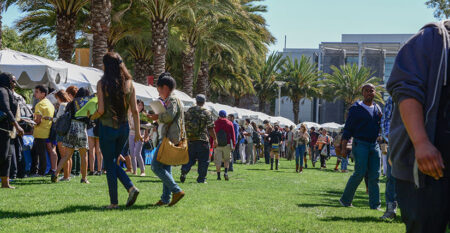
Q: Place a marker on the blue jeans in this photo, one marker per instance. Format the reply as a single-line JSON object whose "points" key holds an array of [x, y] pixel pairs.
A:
{"points": [[391, 195], [367, 160], [344, 163], [111, 143], [198, 150], [299, 154], [164, 172]]}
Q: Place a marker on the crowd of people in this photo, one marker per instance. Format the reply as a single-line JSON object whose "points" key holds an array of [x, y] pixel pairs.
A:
{"points": [[409, 138]]}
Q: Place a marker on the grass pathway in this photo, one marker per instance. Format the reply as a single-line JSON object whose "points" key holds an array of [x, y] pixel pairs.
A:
{"points": [[254, 200]]}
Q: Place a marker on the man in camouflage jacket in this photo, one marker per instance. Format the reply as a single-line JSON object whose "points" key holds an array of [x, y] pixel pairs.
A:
{"points": [[199, 127]]}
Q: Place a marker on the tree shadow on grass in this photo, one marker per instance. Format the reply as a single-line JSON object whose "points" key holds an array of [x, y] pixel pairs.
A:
{"points": [[313, 205], [68, 210], [31, 182], [149, 181], [358, 219]]}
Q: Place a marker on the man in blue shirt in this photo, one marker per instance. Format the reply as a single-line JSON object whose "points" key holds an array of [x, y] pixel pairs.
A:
{"points": [[391, 199], [236, 132], [363, 124]]}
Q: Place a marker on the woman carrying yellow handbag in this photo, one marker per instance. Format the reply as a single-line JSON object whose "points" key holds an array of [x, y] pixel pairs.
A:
{"points": [[172, 148]]}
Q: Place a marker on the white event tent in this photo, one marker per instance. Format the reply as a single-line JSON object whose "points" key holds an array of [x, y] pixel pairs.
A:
{"points": [[31, 70]]}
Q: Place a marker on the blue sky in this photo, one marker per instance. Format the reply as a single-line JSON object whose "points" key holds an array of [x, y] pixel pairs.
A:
{"points": [[306, 23]]}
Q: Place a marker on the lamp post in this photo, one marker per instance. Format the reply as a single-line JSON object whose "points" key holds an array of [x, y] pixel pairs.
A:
{"points": [[279, 83]]}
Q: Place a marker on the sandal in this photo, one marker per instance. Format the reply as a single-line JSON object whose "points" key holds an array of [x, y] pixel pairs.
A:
{"points": [[85, 181]]}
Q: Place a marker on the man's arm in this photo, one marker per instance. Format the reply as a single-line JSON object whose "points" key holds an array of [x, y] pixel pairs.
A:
{"points": [[428, 157], [212, 132]]}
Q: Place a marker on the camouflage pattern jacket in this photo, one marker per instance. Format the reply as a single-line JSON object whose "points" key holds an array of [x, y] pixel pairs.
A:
{"points": [[198, 121]]}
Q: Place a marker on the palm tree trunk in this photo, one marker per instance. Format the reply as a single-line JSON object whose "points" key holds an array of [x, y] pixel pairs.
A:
{"points": [[101, 23], [188, 58], [203, 78], [65, 35], [1, 29], [261, 104], [295, 109], [160, 35], [142, 69]]}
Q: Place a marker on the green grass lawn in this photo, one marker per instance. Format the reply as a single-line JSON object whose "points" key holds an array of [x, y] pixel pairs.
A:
{"points": [[254, 200]]}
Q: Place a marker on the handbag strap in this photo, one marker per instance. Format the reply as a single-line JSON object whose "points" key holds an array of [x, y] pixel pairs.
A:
{"points": [[179, 114]]}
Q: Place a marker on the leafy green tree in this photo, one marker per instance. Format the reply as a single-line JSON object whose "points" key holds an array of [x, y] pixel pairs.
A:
{"points": [[346, 83], [302, 81], [441, 8], [4, 5], [39, 46], [264, 82]]}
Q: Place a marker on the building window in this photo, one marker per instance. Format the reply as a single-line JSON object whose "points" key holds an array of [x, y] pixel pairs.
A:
{"points": [[388, 65], [350, 60]]}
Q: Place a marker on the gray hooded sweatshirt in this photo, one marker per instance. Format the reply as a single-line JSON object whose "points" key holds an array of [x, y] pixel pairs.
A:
{"points": [[419, 72]]}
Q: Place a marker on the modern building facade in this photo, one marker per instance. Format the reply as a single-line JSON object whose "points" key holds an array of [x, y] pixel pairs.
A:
{"points": [[376, 51]]}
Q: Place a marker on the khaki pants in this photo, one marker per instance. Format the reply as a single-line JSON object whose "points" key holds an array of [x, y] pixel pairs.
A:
{"points": [[222, 154]]}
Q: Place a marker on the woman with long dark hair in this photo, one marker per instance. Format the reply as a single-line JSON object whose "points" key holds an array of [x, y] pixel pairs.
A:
{"points": [[116, 95], [8, 113], [76, 138], [63, 99]]}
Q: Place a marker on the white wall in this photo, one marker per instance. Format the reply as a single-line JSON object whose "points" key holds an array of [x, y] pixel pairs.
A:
{"points": [[305, 113]]}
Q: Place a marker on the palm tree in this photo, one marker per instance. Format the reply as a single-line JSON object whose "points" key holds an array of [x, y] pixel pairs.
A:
{"points": [[265, 80], [100, 26], [160, 13], [58, 17], [346, 82], [141, 52], [127, 21], [4, 5], [302, 81], [242, 36]]}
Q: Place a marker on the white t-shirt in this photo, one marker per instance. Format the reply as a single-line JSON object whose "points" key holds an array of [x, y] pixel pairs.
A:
{"points": [[249, 130], [370, 108]]}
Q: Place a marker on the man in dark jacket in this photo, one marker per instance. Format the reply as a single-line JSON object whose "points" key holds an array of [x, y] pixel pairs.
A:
{"points": [[199, 127], [420, 129], [363, 124]]}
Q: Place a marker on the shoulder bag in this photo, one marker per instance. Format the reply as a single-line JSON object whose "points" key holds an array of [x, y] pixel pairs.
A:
{"points": [[171, 154]]}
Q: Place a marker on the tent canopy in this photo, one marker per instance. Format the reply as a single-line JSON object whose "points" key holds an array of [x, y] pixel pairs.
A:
{"points": [[31, 70]]}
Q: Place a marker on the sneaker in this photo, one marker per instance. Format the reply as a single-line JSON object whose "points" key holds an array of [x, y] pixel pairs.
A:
{"points": [[64, 179], [50, 173], [182, 177], [132, 196], [226, 177], [344, 205], [160, 203], [142, 174], [176, 198], [54, 178], [388, 215]]}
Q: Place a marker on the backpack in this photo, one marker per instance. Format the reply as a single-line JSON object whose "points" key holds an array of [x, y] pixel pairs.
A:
{"points": [[62, 125], [222, 139], [256, 138]]}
